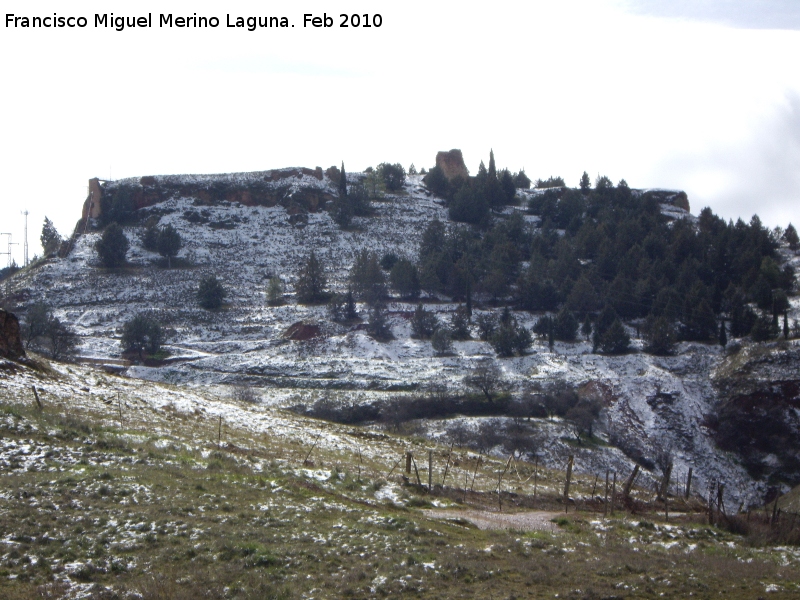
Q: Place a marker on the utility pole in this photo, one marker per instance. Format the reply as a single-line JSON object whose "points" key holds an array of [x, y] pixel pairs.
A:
{"points": [[9, 248], [25, 212]]}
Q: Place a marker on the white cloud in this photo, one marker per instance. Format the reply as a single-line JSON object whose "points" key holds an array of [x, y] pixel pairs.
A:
{"points": [[553, 87]]}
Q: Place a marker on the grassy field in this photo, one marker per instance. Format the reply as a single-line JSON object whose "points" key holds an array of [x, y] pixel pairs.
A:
{"points": [[155, 502]]}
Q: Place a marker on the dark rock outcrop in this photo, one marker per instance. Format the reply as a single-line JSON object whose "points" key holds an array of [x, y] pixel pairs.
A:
{"points": [[10, 338], [758, 416], [302, 331]]}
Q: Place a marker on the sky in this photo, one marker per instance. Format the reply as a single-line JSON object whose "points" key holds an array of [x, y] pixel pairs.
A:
{"points": [[695, 95]]}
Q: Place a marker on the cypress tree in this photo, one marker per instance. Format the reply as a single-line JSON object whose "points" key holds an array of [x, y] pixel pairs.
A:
{"points": [[723, 335], [343, 183], [785, 326], [492, 168]]}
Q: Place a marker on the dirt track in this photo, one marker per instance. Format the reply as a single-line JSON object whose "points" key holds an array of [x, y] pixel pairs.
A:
{"points": [[523, 521]]}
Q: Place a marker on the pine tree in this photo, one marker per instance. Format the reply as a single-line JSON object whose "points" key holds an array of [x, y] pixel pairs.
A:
{"points": [[586, 328], [423, 322], [169, 243], [275, 291], [659, 336], [785, 325], [459, 324], [141, 334], [112, 247], [441, 342], [50, 238], [366, 277], [791, 237], [378, 325], [585, 183], [615, 340], [211, 294], [350, 310], [311, 281]]}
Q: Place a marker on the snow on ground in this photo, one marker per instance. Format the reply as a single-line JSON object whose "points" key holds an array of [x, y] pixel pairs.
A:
{"points": [[658, 401]]}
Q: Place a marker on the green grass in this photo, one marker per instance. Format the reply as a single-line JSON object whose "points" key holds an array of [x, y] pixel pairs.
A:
{"points": [[153, 508]]}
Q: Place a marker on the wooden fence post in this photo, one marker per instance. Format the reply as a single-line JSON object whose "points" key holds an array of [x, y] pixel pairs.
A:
{"points": [[447, 466], [394, 467], [664, 488], [475, 473], [566, 484], [775, 508], [408, 462], [605, 498], [500, 482], [626, 491], [430, 471], [416, 471], [613, 493], [36, 395], [688, 483], [305, 460]]}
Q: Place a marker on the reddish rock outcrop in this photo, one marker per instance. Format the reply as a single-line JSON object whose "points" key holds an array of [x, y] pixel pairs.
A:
{"points": [[10, 339], [264, 188], [452, 164], [302, 331]]}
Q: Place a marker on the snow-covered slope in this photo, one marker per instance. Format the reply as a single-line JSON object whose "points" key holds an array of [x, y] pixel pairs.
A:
{"points": [[653, 404]]}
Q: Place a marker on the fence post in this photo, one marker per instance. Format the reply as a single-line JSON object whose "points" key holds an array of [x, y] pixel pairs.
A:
{"points": [[475, 473], [688, 483], [605, 498], [613, 493], [447, 466], [408, 462], [626, 491], [664, 488], [430, 471], [416, 472], [499, 484], [36, 395], [566, 484]]}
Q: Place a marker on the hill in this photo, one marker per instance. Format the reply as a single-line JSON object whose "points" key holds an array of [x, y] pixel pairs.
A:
{"points": [[248, 228]]}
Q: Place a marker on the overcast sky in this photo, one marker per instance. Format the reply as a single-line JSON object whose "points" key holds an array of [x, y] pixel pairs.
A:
{"points": [[702, 96]]}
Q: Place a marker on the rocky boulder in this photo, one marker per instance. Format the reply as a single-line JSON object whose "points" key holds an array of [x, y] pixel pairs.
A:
{"points": [[10, 339]]}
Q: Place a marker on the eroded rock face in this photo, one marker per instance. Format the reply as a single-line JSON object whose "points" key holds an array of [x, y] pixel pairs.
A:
{"points": [[452, 164], [302, 186], [10, 339], [759, 413]]}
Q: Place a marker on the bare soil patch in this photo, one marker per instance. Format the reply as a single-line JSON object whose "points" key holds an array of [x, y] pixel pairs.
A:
{"points": [[534, 520]]}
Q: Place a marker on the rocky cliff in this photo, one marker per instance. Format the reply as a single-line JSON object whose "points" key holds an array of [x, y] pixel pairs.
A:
{"points": [[10, 339]]}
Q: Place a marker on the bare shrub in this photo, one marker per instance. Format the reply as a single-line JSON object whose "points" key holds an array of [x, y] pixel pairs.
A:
{"points": [[245, 393]]}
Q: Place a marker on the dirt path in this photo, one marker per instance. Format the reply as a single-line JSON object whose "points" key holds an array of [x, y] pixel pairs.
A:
{"points": [[523, 521]]}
